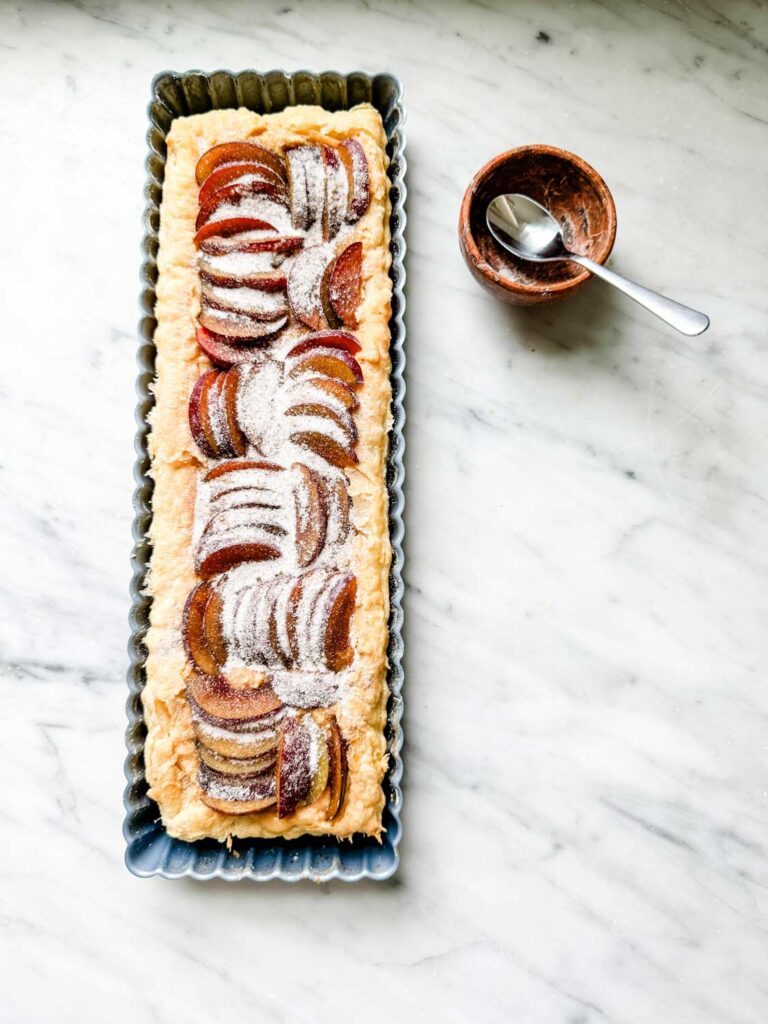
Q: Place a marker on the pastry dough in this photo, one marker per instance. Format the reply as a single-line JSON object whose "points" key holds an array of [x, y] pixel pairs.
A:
{"points": [[176, 464]]}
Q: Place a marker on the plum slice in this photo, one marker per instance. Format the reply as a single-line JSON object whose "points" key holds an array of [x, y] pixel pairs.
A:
{"points": [[340, 603], [353, 157], [265, 281], [264, 306], [297, 189], [238, 465], [330, 387], [315, 173], [195, 643], [327, 339], [217, 418], [279, 655], [304, 283], [343, 421], [199, 421], [326, 447], [237, 326], [245, 240], [329, 362], [336, 193], [229, 551], [229, 399], [338, 769], [346, 283], [329, 313], [211, 626], [302, 600], [236, 765], [227, 174], [242, 795], [222, 352], [232, 226], [311, 514], [235, 193], [294, 766], [237, 152], [338, 503], [220, 698]]}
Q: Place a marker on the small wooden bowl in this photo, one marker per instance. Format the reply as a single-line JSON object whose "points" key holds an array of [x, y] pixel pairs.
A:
{"points": [[574, 193]]}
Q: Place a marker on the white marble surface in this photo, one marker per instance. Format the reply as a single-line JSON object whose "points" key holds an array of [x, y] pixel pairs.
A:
{"points": [[585, 822]]}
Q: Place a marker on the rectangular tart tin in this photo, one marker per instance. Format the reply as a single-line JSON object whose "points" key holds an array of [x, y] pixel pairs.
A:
{"points": [[150, 850]]}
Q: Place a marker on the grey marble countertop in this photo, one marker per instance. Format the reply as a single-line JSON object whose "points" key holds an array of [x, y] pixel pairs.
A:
{"points": [[585, 817]]}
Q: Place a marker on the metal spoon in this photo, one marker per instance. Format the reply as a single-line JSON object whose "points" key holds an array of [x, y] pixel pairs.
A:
{"points": [[529, 231]]}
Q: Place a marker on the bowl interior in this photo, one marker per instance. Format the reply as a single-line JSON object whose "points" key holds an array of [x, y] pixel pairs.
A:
{"points": [[580, 203]]}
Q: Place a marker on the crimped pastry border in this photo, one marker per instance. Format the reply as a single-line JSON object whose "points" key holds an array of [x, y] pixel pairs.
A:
{"points": [[169, 753]]}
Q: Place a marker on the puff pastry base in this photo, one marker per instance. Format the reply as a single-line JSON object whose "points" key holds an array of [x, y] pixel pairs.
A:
{"points": [[171, 762]]}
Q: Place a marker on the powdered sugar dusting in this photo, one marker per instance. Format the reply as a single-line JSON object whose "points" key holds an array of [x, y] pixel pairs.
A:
{"points": [[266, 622], [256, 409], [252, 787], [254, 636], [264, 305], [304, 283], [258, 208], [309, 689], [244, 264]]}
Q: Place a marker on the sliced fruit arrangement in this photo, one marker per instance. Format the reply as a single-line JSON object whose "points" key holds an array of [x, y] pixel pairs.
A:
{"points": [[270, 253], [297, 623], [305, 759], [243, 237], [213, 414], [241, 739], [310, 400], [245, 517], [245, 194], [328, 185], [253, 510], [324, 288], [284, 622], [306, 185], [253, 752], [235, 198], [297, 782], [237, 730], [319, 401]]}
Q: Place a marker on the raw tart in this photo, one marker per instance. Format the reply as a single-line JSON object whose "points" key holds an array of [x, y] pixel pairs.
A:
{"points": [[352, 683]]}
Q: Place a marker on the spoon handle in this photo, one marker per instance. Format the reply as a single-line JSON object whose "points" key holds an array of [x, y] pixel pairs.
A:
{"points": [[682, 318]]}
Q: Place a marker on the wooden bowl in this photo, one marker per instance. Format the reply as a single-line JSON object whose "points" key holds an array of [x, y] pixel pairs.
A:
{"points": [[574, 193]]}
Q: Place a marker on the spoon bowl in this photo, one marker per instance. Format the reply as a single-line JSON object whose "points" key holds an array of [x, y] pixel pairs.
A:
{"points": [[576, 195], [526, 228], [529, 232]]}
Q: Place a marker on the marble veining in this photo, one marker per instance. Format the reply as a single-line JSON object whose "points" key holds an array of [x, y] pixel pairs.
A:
{"points": [[585, 818]]}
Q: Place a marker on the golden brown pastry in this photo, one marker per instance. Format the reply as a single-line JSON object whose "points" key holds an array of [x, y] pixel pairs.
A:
{"points": [[266, 671]]}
